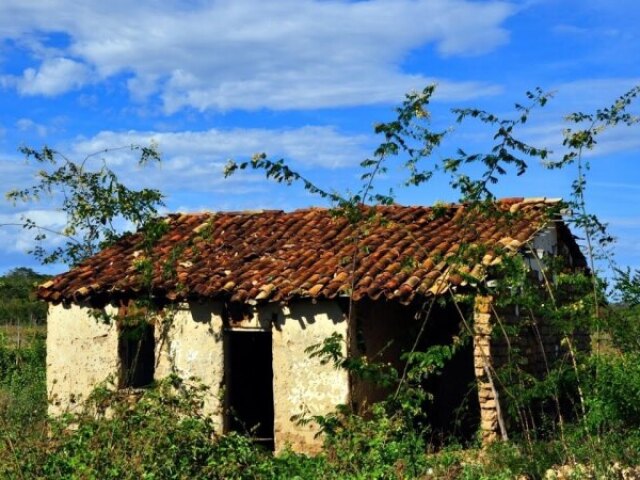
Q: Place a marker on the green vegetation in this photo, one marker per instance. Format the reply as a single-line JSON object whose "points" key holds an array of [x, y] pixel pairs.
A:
{"points": [[584, 413], [17, 298], [94, 202], [23, 401]]}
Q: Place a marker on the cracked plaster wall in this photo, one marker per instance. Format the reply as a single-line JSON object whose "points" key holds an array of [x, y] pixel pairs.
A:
{"points": [[191, 346], [302, 384], [82, 351]]}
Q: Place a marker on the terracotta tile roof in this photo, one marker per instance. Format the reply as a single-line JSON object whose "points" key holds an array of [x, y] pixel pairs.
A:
{"points": [[274, 256]]}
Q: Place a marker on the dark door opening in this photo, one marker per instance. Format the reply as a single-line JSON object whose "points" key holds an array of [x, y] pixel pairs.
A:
{"points": [[249, 383], [454, 410]]}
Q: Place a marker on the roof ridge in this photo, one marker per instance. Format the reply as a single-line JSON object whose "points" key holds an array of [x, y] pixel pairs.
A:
{"points": [[503, 200]]}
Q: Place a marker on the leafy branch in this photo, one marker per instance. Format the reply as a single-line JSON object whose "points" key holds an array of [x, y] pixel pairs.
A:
{"points": [[95, 202], [506, 152]]}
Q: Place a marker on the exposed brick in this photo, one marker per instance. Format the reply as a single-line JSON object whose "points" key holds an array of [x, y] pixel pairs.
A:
{"points": [[483, 306]]}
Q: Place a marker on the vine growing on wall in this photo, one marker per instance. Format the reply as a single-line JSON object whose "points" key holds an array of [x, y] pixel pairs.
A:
{"points": [[572, 301]]}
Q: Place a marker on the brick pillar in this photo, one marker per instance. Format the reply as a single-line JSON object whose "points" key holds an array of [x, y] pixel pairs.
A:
{"points": [[482, 358]]}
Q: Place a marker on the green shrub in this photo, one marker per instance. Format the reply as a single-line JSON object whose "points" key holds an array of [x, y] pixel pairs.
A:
{"points": [[613, 396], [22, 382], [377, 446]]}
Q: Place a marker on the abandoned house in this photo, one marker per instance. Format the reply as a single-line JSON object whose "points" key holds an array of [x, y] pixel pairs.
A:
{"points": [[252, 291]]}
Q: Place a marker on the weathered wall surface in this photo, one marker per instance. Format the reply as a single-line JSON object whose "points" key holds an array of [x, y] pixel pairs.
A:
{"points": [[189, 343], [81, 352], [303, 384]]}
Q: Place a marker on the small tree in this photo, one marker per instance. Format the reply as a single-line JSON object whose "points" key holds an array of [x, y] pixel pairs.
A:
{"points": [[17, 299], [96, 203]]}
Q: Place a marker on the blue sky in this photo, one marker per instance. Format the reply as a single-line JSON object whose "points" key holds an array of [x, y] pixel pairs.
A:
{"points": [[305, 80]]}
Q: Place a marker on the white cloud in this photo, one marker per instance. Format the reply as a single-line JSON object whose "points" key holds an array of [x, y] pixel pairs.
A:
{"points": [[306, 146], [546, 127], [191, 171], [54, 76], [254, 54], [621, 139], [14, 172], [567, 29], [193, 161], [27, 125], [618, 139], [15, 239], [591, 32], [587, 94]]}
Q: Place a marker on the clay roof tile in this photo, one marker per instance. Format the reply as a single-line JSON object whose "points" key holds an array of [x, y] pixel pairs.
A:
{"points": [[277, 256]]}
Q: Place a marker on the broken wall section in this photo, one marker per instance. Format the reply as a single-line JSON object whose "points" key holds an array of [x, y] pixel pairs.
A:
{"points": [[533, 346], [507, 340], [383, 331], [485, 353]]}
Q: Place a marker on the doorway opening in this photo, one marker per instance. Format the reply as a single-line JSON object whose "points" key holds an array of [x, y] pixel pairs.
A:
{"points": [[249, 385], [454, 409], [384, 331]]}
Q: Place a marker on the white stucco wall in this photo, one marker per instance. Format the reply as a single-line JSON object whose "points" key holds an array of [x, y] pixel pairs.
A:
{"points": [[303, 384], [192, 348], [81, 352]]}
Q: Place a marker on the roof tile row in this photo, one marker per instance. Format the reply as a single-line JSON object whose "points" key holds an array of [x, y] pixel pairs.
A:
{"points": [[394, 252]]}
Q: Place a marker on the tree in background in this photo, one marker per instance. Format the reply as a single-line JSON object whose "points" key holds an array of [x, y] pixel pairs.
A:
{"points": [[18, 305]]}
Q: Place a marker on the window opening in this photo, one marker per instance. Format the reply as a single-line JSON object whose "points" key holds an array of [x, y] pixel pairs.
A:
{"points": [[137, 355]]}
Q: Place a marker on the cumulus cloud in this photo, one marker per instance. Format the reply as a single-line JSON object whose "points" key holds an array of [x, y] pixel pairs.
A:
{"points": [[191, 171], [193, 161], [192, 164], [587, 94], [253, 54], [306, 146], [578, 31], [546, 128], [15, 239], [28, 125], [54, 76]]}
